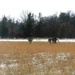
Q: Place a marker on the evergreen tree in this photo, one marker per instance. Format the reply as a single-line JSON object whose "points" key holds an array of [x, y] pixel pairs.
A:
{"points": [[4, 28]]}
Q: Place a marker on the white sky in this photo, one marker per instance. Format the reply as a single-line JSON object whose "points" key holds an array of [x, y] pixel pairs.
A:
{"points": [[14, 8]]}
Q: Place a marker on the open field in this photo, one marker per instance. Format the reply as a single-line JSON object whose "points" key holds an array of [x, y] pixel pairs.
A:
{"points": [[37, 58], [11, 47]]}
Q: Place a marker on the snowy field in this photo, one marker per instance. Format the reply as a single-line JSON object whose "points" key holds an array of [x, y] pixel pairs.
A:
{"points": [[26, 63], [37, 64], [35, 40]]}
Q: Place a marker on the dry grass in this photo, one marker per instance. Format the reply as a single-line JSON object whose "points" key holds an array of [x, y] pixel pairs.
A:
{"points": [[9, 47], [37, 58]]}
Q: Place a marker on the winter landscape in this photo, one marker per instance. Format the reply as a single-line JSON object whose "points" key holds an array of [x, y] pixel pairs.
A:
{"points": [[19, 57], [37, 37]]}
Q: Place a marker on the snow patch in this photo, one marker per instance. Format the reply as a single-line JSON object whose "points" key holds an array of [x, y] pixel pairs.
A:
{"points": [[35, 40]]}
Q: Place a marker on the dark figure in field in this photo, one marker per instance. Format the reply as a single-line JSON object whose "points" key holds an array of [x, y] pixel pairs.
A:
{"points": [[53, 39], [30, 39], [50, 40]]}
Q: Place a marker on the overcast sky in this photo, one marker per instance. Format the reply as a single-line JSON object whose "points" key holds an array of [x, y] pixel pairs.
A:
{"points": [[14, 8]]}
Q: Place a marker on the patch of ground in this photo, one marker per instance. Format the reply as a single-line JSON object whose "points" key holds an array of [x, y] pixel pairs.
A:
{"points": [[11, 47], [37, 58]]}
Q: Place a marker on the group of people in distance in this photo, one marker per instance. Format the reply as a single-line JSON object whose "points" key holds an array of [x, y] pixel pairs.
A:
{"points": [[53, 40]]}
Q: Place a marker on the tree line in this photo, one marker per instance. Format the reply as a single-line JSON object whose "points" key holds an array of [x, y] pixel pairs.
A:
{"points": [[61, 26]]}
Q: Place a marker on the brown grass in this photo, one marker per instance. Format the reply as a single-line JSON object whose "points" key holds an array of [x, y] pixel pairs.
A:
{"points": [[11, 47], [30, 57]]}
